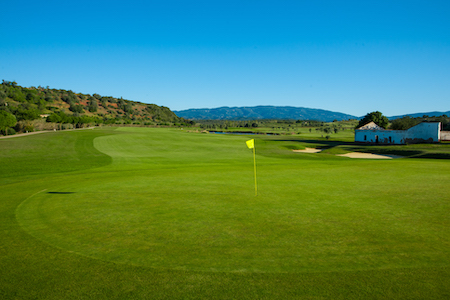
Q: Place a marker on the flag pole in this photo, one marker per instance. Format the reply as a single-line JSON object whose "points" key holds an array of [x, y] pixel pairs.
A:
{"points": [[254, 164], [251, 145]]}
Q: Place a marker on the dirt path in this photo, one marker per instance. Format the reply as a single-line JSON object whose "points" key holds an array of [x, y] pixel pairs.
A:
{"points": [[37, 132]]}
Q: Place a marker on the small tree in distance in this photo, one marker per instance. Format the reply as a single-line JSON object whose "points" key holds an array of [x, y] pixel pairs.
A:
{"points": [[6, 120], [376, 117]]}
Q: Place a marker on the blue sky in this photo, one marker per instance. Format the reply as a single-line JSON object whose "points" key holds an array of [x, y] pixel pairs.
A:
{"points": [[347, 56]]}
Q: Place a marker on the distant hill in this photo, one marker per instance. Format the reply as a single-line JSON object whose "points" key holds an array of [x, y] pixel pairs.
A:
{"points": [[67, 107], [419, 115], [263, 112]]}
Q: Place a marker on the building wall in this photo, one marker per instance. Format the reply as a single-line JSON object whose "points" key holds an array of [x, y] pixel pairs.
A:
{"points": [[421, 133], [424, 133], [380, 136], [445, 135]]}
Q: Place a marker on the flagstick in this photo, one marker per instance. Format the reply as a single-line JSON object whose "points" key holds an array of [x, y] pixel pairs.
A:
{"points": [[254, 163], [251, 144]]}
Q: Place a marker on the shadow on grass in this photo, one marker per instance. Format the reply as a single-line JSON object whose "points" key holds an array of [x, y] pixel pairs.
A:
{"points": [[338, 147], [433, 155], [325, 143]]}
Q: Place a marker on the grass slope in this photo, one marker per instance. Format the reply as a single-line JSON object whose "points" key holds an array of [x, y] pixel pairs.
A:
{"points": [[138, 213]]}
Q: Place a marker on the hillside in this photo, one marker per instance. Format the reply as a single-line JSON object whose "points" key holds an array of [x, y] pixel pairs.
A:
{"points": [[263, 112], [66, 107]]}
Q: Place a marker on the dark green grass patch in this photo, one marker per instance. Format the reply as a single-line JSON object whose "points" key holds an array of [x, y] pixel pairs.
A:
{"points": [[51, 152], [171, 215]]}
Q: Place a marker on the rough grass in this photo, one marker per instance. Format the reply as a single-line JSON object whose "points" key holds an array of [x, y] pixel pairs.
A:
{"points": [[141, 213]]}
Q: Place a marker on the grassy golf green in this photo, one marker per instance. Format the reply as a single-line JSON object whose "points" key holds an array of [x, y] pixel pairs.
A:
{"points": [[157, 213]]}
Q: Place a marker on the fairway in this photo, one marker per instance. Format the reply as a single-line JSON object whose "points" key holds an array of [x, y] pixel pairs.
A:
{"points": [[164, 200]]}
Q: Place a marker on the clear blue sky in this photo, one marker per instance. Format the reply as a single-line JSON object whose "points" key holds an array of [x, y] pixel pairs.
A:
{"points": [[347, 56]]}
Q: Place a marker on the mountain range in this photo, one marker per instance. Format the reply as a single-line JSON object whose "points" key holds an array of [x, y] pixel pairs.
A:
{"points": [[263, 112], [417, 115], [277, 112]]}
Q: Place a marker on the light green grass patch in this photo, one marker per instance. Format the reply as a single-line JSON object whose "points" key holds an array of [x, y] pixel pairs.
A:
{"points": [[182, 201], [138, 213]]}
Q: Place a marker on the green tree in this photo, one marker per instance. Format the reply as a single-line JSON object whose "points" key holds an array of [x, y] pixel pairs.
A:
{"points": [[76, 108], [404, 123], [104, 101], [49, 98], [93, 106], [55, 118], [7, 120], [26, 113], [31, 96], [2, 95], [128, 108], [376, 117]]}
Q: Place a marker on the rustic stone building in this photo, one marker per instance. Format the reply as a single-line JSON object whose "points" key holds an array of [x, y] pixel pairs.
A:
{"points": [[426, 132]]}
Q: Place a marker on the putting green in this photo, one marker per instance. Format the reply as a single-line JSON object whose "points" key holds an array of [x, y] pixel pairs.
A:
{"points": [[192, 207]]}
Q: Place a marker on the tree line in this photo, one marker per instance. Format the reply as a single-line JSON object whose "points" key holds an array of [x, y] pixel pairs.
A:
{"points": [[402, 123]]}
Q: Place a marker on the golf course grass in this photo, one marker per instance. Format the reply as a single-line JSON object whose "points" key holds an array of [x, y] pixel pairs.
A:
{"points": [[154, 213]]}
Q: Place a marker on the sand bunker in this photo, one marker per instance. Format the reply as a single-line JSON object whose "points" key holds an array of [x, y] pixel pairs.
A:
{"points": [[308, 150], [351, 154], [368, 155]]}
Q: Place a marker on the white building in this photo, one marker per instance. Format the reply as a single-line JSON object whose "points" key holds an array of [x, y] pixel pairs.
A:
{"points": [[421, 133]]}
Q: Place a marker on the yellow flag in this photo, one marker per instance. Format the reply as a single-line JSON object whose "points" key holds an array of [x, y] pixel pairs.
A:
{"points": [[250, 143]]}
